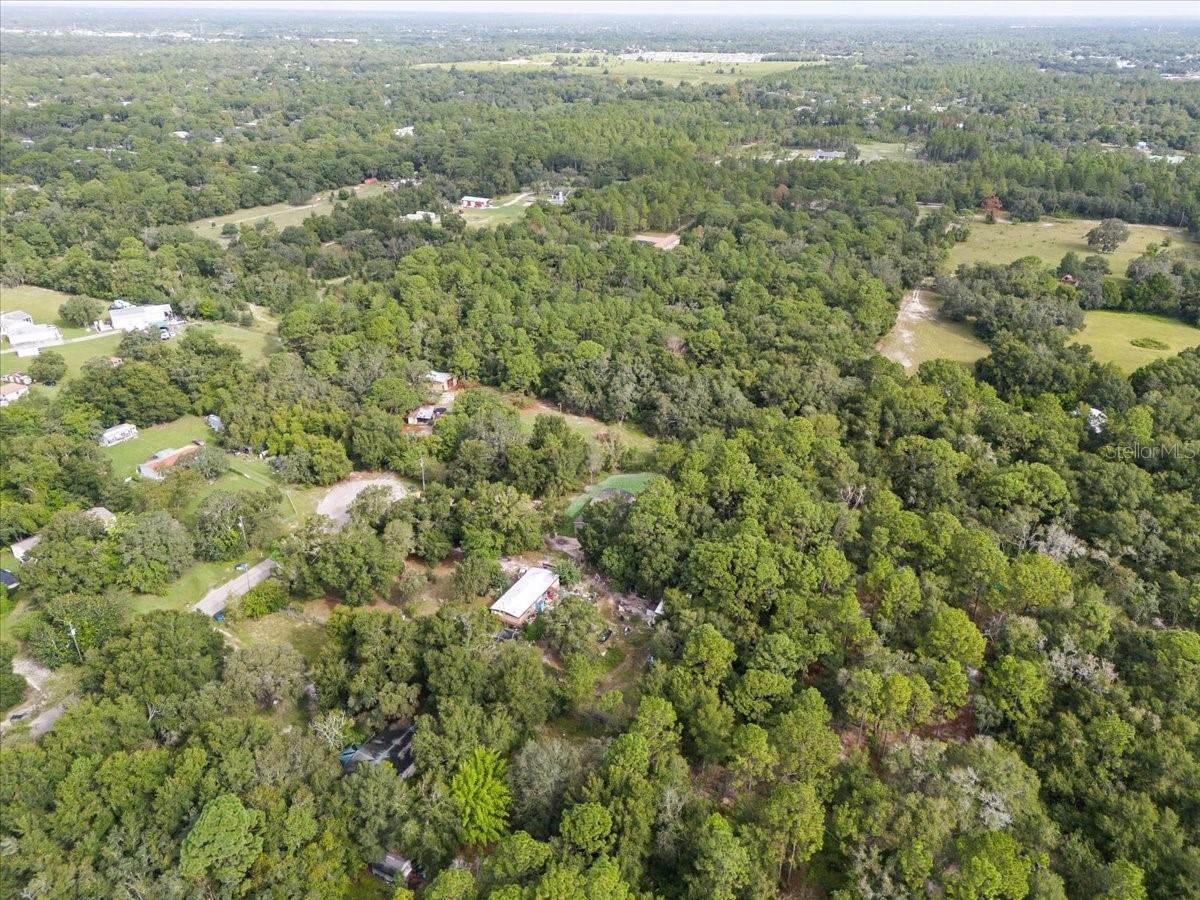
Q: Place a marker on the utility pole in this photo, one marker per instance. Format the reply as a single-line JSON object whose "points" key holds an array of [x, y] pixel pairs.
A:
{"points": [[422, 474], [71, 632], [242, 526]]}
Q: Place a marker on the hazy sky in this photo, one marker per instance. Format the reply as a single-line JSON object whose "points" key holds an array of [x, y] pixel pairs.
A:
{"points": [[864, 9]]}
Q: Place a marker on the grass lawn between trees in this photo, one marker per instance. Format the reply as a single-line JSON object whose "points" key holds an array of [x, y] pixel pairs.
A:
{"points": [[675, 71], [633, 482], [1110, 334], [1051, 239], [282, 214], [41, 303]]}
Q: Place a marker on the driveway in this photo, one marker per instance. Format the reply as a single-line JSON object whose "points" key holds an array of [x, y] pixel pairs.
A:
{"points": [[214, 601], [336, 503]]}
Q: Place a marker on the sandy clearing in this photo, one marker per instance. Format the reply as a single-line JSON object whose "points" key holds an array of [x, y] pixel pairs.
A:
{"points": [[912, 311]]}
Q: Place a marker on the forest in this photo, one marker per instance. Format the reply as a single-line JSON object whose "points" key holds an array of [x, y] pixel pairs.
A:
{"points": [[823, 626]]}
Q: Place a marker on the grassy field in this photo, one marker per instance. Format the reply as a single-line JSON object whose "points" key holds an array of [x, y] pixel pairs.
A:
{"points": [[1051, 239], [302, 627], [282, 214], [874, 151], [128, 456], [634, 482], [1109, 334], [42, 304], [504, 211], [75, 354], [528, 410], [612, 66], [255, 342]]}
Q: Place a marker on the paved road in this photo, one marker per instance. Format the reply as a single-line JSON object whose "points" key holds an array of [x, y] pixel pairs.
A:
{"points": [[214, 601]]}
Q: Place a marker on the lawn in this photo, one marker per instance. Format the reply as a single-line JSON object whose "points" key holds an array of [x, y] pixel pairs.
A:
{"points": [[255, 342], [503, 211], [128, 456], [1051, 239], [294, 626], [874, 151], [40, 303], [75, 354], [1109, 334], [628, 434], [613, 66], [282, 214], [634, 482]]}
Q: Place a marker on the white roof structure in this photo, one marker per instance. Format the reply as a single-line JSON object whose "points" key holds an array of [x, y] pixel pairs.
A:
{"points": [[17, 320], [21, 548], [529, 588], [10, 392], [441, 378], [35, 336], [131, 318]]}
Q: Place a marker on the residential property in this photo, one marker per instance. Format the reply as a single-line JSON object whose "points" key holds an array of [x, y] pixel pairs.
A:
{"points": [[33, 336], [559, 197], [533, 591], [213, 421], [393, 745], [11, 393], [443, 381], [155, 468], [826, 155], [17, 378], [424, 215], [426, 415], [118, 434], [22, 549], [134, 318], [475, 202], [16, 320]]}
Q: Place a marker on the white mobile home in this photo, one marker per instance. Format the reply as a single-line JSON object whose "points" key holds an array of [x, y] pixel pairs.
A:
{"points": [[134, 318], [118, 434]]}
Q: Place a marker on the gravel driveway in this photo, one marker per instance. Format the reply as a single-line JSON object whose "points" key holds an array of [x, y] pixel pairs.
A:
{"points": [[336, 503]]}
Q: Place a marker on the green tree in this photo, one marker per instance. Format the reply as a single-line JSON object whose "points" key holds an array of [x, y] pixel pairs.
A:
{"points": [[481, 797], [1108, 235], [48, 367], [223, 843], [80, 312]]}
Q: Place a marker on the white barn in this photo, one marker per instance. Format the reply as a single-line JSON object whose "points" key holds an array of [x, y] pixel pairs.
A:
{"points": [[32, 336]]}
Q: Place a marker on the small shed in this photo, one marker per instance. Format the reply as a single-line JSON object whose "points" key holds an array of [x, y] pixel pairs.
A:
{"points": [[444, 381], [533, 591], [156, 466]]}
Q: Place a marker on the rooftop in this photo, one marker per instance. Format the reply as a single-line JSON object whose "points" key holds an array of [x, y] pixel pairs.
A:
{"points": [[527, 590]]}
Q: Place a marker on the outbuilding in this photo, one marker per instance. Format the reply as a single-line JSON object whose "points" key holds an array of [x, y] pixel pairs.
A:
{"points": [[32, 336], [536, 589], [476, 202], [156, 466], [443, 381], [118, 434], [17, 320]]}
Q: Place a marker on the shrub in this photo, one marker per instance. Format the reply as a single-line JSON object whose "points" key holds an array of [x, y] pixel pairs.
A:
{"points": [[79, 312], [268, 597], [1149, 343]]}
